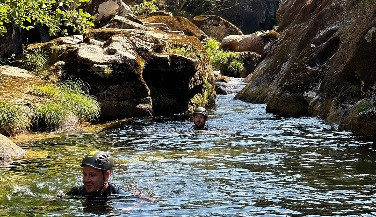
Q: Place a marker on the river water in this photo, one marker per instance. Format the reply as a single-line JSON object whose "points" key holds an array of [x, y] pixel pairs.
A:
{"points": [[250, 163]]}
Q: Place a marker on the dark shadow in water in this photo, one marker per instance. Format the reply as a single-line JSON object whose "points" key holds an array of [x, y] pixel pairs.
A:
{"points": [[98, 206], [111, 206]]}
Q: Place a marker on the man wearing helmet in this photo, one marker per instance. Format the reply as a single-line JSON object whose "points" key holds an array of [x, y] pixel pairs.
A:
{"points": [[199, 118], [96, 170]]}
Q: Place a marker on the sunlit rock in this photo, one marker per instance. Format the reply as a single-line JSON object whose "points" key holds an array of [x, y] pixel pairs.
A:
{"points": [[254, 42], [8, 150], [179, 24], [325, 58], [102, 10], [216, 27], [133, 72]]}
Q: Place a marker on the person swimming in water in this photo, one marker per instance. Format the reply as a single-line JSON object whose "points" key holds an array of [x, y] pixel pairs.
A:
{"points": [[97, 168], [199, 118]]}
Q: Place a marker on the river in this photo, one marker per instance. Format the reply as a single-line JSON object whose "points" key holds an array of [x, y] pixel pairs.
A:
{"points": [[250, 163]]}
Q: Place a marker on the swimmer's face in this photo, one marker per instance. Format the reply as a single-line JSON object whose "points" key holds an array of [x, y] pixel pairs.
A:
{"points": [[93, 179], [199, 121]]}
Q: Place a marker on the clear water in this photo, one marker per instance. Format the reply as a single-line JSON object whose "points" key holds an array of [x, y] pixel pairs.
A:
{"points": [[249, 164]]}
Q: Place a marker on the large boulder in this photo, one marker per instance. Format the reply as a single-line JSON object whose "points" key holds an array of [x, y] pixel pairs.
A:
{"points": [[250, 61], [255, 42], [178, 24], [139, 72], [323, 64], [102, 10], [8, 151], [216, 27]]}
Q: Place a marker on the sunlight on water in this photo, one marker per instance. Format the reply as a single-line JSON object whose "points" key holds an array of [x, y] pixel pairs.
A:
{"points": [[249, 163]]}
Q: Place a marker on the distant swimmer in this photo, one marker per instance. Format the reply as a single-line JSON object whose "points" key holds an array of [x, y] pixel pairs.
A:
{"points": [[200, 117]]}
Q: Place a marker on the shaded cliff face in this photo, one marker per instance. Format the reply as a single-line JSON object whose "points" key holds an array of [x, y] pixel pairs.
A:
{"points": [[250, 15], [323, 65]]}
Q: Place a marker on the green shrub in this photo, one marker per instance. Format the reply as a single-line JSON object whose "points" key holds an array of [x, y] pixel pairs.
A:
{"points": [[145, 8], [364, 105], [58, 16], [228, 62], [68, 100], [204, 97], [212, 46], [84, 107], [235, 68], [50, 116], [76, 86], [48, 90], [13, 118], [77, 98], [37, 61]]}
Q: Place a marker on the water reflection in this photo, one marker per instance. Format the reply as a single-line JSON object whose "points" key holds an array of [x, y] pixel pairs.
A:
{"points": [[251, 163]]}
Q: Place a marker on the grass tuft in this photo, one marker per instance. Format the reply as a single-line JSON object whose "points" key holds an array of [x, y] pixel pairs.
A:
{"points": [[13, 118], [63, 103]]}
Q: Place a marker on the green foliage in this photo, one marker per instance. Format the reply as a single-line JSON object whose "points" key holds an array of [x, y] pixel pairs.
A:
{"points": [[204, 98], [50, 116], [75, 86], [228, 62], [364, 105], [48, 90], [13, 118], [57, 15], [145, 8], [82, 105], [212, 45], [235, 68], [37, 61], [186, 51], [68, 100]]}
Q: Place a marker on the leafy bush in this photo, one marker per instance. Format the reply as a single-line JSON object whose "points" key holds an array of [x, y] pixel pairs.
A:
{"points": [[50, 116], [187, 51], [228, 62], [57, 15], [37, 61], [145, 8], [68, 100], [364, 105], [235, 68], [48, 90], [77, 100], [13, 118]]}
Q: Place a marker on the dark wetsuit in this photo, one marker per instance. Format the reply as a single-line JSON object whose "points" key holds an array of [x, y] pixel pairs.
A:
{"points": [[204, 128], [111, 190]]}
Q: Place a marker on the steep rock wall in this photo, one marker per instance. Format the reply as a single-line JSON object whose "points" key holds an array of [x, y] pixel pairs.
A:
{"points": [[323, 64]]}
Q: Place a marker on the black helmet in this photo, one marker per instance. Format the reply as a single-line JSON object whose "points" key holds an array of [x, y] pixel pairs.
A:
{"points": [[99, 160], [200, 110]]}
